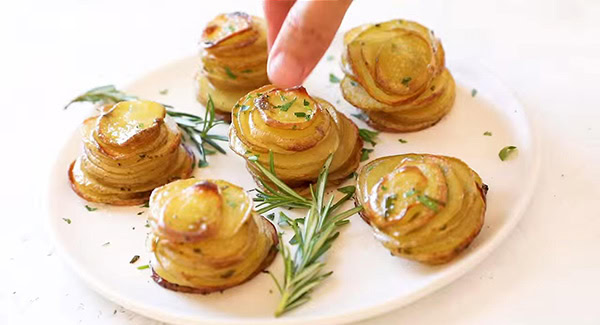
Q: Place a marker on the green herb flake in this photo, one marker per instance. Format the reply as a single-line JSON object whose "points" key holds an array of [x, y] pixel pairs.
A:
{"points": [[134, 259], [300, 114], [247, 71], [231, 28], [90, 209], [402, 140], [365, 154], [333, 78], [67, 220], [353, 83], [202, 163], [473, 92], [145, 205], [428, 202], [410, 193], [164, 91], [506, 152], [361, 116], [271, 216], [368, 136], [347, 189], [406, 81], [389, 204], [306, 103], [287, 105], [143, 267], [230, 74], [487, 133], [283, 98]]}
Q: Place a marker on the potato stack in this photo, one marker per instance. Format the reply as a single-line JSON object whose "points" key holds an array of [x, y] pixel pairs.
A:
{"points": [[206, 237], [129, 150], [234, 60], [395, 73], [422, 207], [299, 131]]}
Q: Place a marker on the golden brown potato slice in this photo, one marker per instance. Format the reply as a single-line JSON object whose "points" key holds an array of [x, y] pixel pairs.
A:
{"points": [[214, 240], [129, 150], [300, 131], [423, 207]]}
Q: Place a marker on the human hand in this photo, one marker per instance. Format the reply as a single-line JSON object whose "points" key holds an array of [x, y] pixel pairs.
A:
{"points": [[299, 33]]}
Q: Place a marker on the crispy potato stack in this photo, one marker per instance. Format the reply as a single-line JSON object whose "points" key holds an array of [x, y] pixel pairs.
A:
{"points": [[395, 72], [299, 130], [129, 150], [234, 60], [206, 237], [423, 207]]}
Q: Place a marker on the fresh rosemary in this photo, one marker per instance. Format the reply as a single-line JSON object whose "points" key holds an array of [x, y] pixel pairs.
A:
{"points": [[195, 127], [313, 235]]}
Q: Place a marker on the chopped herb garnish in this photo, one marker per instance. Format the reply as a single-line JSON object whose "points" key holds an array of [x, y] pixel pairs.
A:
{"points": [[402, 140], [140, 213], [143, 267], [487, 133], [202, 164], [247, 71], [389, 204], [300, 114], [333, 78], [406, 80], [506, 152], [428, 202], [353, 83], [283, 98], [231, 28], [271, 216], [134, 259], [230, 74], [368, 136], [365, 154], [347, 189], [141, 125], [67, 220], [164, 91], [361, 116], [90, 209], [473, 92], [410, 193], [306, 102], [287, 105]]}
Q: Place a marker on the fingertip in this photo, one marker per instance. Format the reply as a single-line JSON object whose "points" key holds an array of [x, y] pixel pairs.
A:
{"points": [[285, 70]]}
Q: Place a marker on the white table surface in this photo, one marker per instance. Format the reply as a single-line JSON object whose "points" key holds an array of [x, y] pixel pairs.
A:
{"points": [[547, 51]]}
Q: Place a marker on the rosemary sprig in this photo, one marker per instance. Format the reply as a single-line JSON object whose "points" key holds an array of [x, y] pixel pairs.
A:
{"points": [[195, 127], [313, 235]]}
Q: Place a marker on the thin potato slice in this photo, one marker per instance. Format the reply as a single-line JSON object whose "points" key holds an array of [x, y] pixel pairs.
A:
{"points": [[299, 131], [395, 72], [234, 245], [234, 60], [423, 207], [129, 150]]}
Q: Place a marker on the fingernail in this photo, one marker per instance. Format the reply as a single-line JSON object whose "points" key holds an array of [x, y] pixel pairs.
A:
{"points": [[285, 70]]}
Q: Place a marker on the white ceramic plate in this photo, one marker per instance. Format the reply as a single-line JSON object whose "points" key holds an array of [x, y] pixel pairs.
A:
{"points": [[367, 280]]}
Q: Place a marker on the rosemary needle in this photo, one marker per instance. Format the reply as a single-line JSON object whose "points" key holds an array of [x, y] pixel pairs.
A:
{"points": [[196, 128], [313, 235]]}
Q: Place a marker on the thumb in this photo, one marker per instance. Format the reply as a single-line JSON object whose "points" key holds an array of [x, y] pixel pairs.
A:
{"points": [[304, 37]]}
